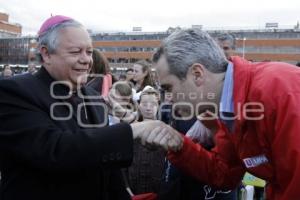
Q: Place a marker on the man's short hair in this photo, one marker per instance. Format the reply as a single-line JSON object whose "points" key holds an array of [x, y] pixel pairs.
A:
{"points": [[123, 87], [183, 48]]}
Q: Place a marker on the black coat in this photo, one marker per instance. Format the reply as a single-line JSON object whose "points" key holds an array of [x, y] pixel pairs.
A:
{"points": [[42, 158], [96, 84]]}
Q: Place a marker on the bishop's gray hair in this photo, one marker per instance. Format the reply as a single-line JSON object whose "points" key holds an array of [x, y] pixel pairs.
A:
{"points": [[183, 48], [50, 37]]}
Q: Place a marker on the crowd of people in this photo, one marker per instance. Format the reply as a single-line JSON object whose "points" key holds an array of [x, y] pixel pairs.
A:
{"points": [[7, 71], [72, 130]]}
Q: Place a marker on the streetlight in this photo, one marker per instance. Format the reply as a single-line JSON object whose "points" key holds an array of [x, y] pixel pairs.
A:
{"points": [[244, 41]]}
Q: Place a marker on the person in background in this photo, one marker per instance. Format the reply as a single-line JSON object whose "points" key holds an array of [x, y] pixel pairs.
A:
{"points": [[32, 68], [121, 94], [122, 77], [146, 170], [100, 66], [19, 70], [6, 66], [7, 73], [130, 75], [142, 77], [227, 43]]}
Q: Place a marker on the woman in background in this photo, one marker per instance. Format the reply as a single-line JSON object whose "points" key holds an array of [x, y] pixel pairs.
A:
{"points": [[145, 173], [100, 66], [142, 77]]}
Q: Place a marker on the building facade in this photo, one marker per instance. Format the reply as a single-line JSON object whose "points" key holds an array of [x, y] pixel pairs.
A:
{"points": [[15, 50], [8, 29], [123, 49], [257, 45]]}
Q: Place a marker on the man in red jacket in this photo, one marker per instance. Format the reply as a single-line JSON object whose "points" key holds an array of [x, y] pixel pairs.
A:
{"points": [[257, 109]]}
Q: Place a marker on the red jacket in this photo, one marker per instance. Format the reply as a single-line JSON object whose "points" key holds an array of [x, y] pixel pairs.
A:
{"points": [[268, 148]]}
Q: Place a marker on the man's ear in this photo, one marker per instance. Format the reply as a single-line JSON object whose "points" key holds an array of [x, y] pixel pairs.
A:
{"points": [[45, 54], [197, 73]]}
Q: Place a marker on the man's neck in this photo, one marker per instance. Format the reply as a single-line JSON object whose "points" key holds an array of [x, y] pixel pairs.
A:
{"points": [[217, 84]]}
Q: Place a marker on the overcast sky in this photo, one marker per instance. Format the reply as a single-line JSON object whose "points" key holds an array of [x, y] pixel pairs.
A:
{"points": [[153, 15]]}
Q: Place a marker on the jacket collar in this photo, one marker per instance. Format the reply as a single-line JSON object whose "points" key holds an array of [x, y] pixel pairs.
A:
{"points": [[242, 76], [58, 89], [63, 90]]}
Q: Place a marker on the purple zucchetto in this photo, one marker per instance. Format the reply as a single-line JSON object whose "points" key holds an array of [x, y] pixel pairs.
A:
{"points": [[52, 21]]}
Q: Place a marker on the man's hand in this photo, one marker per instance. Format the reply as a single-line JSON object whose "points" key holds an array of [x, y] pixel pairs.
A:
{"points": [[157, 133]]}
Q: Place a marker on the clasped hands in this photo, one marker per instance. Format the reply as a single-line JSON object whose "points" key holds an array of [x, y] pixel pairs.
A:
{"points": [[157, 134]]}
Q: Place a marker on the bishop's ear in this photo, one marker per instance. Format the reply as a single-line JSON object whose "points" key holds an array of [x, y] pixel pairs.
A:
{"points": [[45, 54], [197, 72]]}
